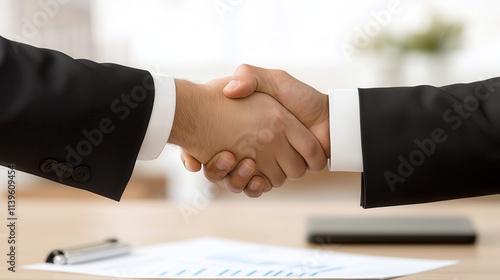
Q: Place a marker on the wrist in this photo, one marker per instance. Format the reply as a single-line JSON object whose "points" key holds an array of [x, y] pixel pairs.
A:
{"points": [[194, 112], [186, 109]]}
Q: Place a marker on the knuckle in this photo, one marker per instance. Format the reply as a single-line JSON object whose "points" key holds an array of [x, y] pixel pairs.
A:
{"points": [[266, 136], [245, 145], [298, 171], [278, 120], [309, 148], [244, 68], [214, 176], [234, 185], [319, 165], [281, 73]]}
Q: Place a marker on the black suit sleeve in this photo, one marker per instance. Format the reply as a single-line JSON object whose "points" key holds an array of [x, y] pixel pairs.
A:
{"points": [[72, 121], [423, 144]]}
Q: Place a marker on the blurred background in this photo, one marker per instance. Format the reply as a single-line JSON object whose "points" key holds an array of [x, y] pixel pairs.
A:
{"points": [[325, 43]]}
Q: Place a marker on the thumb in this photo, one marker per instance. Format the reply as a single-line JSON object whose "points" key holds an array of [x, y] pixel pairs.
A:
{"points": [[191, 163], [243, 83]]}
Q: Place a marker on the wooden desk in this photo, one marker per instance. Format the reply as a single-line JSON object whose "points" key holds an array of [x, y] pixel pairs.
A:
{"points": [[45, 225]]}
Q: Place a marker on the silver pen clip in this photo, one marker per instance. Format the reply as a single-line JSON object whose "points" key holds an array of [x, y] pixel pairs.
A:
{"points": [[90, 252]]}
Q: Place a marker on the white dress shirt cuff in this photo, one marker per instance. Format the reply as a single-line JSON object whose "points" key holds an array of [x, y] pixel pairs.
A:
{"points": [[345, 131], [162, 118]]}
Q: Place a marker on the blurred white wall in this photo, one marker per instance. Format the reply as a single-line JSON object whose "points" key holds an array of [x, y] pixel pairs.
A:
{"points": [[204, 39]]}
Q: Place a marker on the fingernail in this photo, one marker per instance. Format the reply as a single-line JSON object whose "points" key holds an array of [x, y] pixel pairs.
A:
{"points": [[244, 170], [232, 85], [186, 165], [254, 186], [222, 163]]}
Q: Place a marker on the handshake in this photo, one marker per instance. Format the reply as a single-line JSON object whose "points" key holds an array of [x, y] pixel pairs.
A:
{"points": [[252, 130]]}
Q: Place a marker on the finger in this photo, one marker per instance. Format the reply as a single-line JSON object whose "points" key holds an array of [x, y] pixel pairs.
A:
{"points": [[217, 168], [238, 179], [257, 185], [245, 175], [290, 161], [293, 165], [267, 188], [245, 82], [276, 176], [190, 163], [260, 180], [267, 161], [306, 145]]}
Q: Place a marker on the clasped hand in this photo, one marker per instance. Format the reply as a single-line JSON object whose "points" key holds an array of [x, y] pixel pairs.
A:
{"points": [[254, 130]]}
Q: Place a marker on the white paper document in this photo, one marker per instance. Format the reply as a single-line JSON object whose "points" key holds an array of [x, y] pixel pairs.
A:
{"points": [[220, 258]]}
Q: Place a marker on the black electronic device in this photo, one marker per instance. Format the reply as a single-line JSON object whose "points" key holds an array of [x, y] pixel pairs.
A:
{"points": [[391, 229]]}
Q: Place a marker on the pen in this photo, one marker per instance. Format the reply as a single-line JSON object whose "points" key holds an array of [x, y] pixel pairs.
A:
{"points": [[89, 252]]}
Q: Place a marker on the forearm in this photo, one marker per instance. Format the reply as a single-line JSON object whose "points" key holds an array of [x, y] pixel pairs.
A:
{"points": [[75, 112], [427, 143]]}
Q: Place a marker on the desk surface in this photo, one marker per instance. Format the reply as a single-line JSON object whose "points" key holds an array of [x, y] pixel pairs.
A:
{"points": [[45, 225]]}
